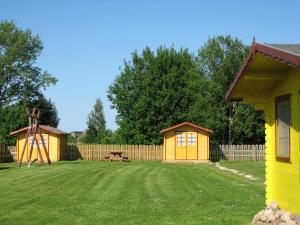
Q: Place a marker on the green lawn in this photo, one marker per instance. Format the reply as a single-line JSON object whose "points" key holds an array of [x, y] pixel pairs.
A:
{"points": [[116, 193]]}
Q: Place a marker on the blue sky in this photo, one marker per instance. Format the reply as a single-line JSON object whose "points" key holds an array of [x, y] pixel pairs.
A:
{"points": [[86, 42]]}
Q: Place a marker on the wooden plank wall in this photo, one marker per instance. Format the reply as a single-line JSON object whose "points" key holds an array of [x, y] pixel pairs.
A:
{"points": [[99, 151], [237, 152]]}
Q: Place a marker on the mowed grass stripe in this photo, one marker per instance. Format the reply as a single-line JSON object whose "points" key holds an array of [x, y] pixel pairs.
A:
{"points": [[93, 192]]}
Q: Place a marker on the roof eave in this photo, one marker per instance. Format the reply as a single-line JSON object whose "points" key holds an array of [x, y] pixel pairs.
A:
{"points": [[15, 133], [277, 54], [183, 124], [240, 73]]}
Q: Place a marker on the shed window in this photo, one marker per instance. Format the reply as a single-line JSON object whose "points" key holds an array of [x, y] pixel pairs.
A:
{"points": [[191, 139], [283, 128], [181, 139]]}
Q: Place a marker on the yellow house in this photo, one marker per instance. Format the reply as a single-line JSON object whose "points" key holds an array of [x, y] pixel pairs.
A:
{"points": [[55, 141], [270, 80], [186, 142]]}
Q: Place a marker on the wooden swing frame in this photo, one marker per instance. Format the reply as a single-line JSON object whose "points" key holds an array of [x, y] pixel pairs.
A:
{"points": [[34, 130]]}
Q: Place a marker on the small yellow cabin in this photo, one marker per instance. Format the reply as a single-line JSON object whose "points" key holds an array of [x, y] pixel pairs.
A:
{"points": [[186, 142], [270, 80], [55, 141]]}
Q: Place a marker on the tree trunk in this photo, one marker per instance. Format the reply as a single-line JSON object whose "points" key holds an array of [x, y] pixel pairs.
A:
{"points": [[230, 121]]}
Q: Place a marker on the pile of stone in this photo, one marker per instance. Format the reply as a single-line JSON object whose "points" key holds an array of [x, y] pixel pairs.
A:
{"points": [[275, 216]]}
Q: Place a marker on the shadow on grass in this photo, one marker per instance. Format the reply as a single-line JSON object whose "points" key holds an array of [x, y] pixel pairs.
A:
{"points": [[68, 161], [4, 168]]}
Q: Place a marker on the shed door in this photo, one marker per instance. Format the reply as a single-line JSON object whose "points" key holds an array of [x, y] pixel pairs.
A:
{"points": [[191, 145], [180, 147], [186, 145]]}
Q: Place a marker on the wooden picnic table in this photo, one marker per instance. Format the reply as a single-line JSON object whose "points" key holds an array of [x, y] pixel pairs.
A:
{"points": [[116, 156]]}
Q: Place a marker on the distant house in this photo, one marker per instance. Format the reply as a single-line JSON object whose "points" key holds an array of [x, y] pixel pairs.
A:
{"points": [[76, 134], [186, 142], [54, 139], [270, 80]]}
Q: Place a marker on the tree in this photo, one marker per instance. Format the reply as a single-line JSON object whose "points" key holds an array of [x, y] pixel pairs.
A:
{"points": [[153, 91], [14, 117], [112, 137], [20, 79], [21, 82], [49, 114], [96, 130], [72, 140], [219, 60], [159, 89], [248, 125]]}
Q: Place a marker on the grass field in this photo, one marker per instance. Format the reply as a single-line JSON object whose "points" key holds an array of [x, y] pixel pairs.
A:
{"points": [[256, 169], [137, 193]]}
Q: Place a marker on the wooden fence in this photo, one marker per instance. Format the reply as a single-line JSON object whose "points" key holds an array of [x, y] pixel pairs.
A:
{"points": [[155, 152], [147, 152], [7, 153], [237, 152], [98, 151]]}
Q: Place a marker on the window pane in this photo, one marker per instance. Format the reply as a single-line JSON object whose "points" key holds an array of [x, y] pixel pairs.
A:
{"points": [[191, 139], [180, 139], [283, 127]]}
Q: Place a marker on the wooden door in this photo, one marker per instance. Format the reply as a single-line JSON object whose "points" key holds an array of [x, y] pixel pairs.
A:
{"points": [[191, 147], [180, 145]]}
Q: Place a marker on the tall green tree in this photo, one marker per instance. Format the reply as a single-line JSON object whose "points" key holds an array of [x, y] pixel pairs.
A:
{"points": [[247, 125], [48, 111], [159, 89], [12, 118], [155, 90], [96, 130], [21, 81], [20, 78], [219, 60]]}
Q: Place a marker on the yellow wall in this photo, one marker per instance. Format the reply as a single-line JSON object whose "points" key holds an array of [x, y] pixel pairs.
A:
{"points": [[20, 145], [282, 178], [203, 145], [56, 145], [53, 147], [170, 143]]}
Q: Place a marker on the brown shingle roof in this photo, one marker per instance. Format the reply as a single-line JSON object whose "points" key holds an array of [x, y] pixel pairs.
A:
{"points": [[290, 48], [188, 124], [43, 127]]}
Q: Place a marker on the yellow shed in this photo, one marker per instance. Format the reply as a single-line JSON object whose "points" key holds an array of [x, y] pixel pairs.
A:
{"points": [[186, 142], [55, 140], [270, 80]]}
